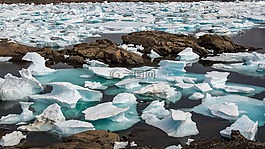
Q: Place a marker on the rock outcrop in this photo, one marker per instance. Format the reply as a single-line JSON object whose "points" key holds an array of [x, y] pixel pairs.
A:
{"points": [[236, 141], [166, 44]]}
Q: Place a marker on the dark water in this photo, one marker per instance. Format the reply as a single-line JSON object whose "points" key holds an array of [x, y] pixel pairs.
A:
{"points": [[142, 133]]}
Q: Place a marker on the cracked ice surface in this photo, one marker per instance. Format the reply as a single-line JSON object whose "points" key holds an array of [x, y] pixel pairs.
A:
{"points": [[59, 25]]}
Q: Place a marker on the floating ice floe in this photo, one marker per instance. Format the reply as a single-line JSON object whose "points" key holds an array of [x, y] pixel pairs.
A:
{"points": [[5, 59], [102, 111], [25, 116], [128, 83], [95, 85], [246, 126], [70, 127], [188, 55], [196, 96], [124, 100], [203, 87], [251, 63], [170, 67], [160, 90], [95, 63], [226, 110], [18, 88], [12, 139], [45, 121], [67, 94], [110, 73], [175, 123], [229, 106], [38, 64]]}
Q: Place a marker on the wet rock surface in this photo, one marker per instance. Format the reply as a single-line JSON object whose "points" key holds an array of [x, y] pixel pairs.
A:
{"points": [[236, 141]]}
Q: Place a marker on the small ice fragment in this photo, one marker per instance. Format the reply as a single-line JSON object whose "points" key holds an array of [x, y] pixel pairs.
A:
{"points": [[120, 145], [226, 110], [70, 127], [246, 126], [203, 87], [12, 139], [188, 55], [124, 100], [38, 64], [196, 96], [174, 147], [103, 110]]}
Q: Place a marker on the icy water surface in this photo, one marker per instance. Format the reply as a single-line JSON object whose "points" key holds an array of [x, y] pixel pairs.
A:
{"points": [[207, 126]]}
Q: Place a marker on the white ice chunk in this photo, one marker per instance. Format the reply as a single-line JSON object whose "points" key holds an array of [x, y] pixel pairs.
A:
{"points": [[12, 139], [67, 94], [174, 147], [188, 55], [25, 116], [102, 111], [203, 87], [161, 90], [15, 88], [172, 65], [124, 100], [94, 85], [110, 73], [216, 79], [120, 145], [128, 83], [70, 127], [226, 110], [196, 96], [176, 124], [238, 89], [96, 63], [246, 126], [5, 59], [45, 121], [38, 64], [189, 141]]}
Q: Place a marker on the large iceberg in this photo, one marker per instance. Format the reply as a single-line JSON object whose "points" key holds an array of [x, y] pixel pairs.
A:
{"points": [[15, 88], [160, 90], [70, 127], [12, 139], [25, 116], [175, 123], [45, 121], [67, 94], [38, 64], [246, 126]]}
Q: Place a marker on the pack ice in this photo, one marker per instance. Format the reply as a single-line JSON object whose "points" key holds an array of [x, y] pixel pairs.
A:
{"points": [[18, 88], [59, 25], [175, 123]]}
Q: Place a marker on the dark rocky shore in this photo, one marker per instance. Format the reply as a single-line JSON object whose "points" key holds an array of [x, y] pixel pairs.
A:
{"points": [[165, 44]]}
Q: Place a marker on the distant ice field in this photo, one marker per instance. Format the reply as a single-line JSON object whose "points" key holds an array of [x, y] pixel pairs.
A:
{"points": [[60, 25]]}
